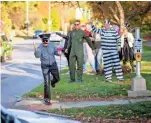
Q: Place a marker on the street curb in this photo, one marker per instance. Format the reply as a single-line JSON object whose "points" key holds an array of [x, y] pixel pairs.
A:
{"points": [[52, 114]]}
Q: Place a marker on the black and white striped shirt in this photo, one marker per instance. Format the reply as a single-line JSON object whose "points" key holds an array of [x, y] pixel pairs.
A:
{"points": [[110, 39]]}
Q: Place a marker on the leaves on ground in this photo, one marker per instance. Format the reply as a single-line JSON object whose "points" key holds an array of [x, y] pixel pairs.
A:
{"points": [[129, 113]]}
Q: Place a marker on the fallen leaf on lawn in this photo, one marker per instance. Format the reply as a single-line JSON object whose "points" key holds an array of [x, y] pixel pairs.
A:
{"points": [[89, 119], [81, 114], [57, 96]]}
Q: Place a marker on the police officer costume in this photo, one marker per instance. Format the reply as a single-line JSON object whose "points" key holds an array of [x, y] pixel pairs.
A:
{"points": [[48, 65]]}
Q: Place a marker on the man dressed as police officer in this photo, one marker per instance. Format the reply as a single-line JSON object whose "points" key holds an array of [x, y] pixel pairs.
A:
{"points": [[46, 51], [76, 41]]}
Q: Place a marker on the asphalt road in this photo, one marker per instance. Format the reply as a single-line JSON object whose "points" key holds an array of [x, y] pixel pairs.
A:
{"points": [[22, 74]]}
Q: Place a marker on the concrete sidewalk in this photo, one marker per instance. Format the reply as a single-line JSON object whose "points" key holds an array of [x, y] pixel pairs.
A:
{"points": [[38, 104]]}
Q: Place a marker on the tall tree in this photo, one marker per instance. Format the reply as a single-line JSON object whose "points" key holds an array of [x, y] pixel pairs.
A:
{"points": [[132, 12], [121, 15]]}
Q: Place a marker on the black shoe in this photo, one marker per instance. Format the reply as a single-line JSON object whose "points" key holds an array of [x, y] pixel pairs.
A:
{"points": [[108, 80], [98, 72], [53, 85], [80, 80], [121, 80], [71, 81], [47, 102]]}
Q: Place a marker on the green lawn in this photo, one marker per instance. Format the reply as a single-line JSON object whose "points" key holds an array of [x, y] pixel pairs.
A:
{"points": [[94, 87], [127, 111]]}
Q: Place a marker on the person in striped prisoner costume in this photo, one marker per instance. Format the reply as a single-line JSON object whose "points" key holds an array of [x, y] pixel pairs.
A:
{"points": [[109, 41]]}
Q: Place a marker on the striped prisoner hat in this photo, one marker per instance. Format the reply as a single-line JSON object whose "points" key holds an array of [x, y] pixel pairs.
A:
{"points": [[107, 21]]}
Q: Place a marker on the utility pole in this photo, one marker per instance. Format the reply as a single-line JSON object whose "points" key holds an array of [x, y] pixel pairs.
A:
{"points": [[27, 16], [89, 14], [49, 17], [138, 85]]}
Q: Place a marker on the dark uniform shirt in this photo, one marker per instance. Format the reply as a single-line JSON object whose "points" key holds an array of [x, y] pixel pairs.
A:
{"points": [[46, 54]]}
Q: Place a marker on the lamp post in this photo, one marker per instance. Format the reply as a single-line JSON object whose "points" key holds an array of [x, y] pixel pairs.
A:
{"points": [[89, 14]]}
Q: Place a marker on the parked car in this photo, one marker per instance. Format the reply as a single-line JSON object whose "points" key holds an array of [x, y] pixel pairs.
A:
{"points": [[54, 37], [57, 40], [21, 116], [37, 33], [5, 48]]}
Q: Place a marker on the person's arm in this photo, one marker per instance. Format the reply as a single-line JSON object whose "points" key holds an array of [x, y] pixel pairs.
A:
{"points": [[118, 39], [37, 52], [89, 41], [122, 41], [56, 52], [62, 35], [96, 30], [69, 42], [131, 39]]}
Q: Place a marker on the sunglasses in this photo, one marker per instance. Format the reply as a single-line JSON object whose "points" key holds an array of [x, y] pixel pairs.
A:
{"points": [[44, 41], [83, 26], [76, 24]]}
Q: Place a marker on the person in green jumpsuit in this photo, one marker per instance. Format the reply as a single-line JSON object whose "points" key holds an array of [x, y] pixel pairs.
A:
{"points": [[76, 40]]}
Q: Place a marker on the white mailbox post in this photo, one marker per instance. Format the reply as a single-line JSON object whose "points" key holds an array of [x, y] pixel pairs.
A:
{"points": [[138, 85]]}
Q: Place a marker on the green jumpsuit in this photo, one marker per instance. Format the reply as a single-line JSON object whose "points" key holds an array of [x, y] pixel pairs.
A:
{"points": [[76, 41]]}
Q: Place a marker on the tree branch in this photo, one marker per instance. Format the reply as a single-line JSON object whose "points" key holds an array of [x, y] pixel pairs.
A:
{"points": [[114, 14]]}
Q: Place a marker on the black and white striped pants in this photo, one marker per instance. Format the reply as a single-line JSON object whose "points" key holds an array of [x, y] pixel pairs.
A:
{"points": [[111, 60]]}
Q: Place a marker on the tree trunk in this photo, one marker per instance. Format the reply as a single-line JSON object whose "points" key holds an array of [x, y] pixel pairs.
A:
{"points": [[121, 14]]}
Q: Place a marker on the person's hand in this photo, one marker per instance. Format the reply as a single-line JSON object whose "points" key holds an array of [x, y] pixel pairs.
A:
{"points": [[97, 22], [66, 51], [91, 21], [119, 48], [34, 45], [94, 52], [92, 39], [59, 52]]}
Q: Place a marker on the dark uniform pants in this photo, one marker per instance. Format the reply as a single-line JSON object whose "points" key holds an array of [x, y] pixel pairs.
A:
{"points": [[67, 55], [72, 65], [47, 70]]}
